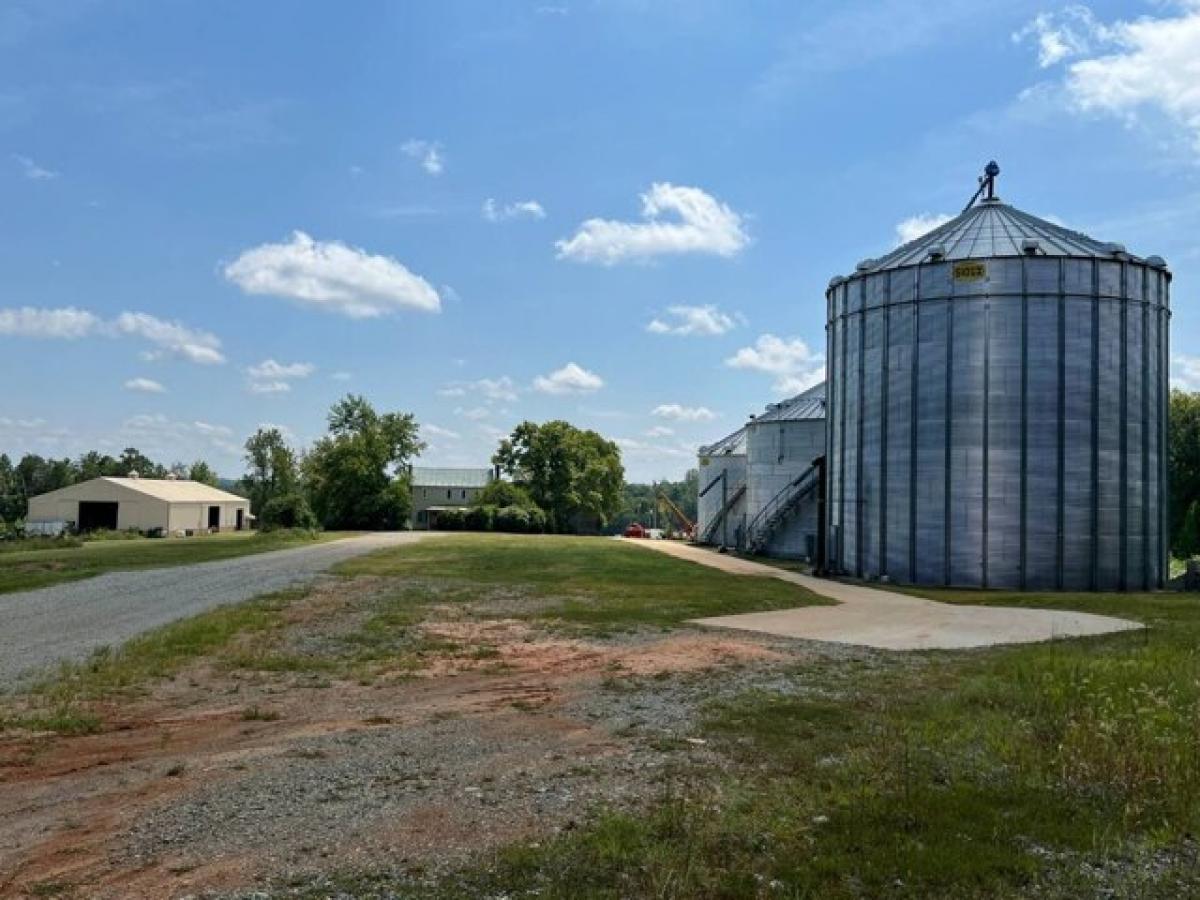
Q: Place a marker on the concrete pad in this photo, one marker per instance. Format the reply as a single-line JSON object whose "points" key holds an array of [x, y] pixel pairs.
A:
{"points": [[887, 620]]}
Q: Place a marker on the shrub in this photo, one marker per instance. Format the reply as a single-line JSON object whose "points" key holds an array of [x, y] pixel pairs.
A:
{"points": [[109, 534], [480, 518], [503, 493], [287, 511], [451, 519]]}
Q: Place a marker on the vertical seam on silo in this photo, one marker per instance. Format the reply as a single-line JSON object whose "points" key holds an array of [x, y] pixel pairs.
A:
{"points": [[845, 331], [987, 381], [949, 427], [1164, 360], [915, 358], [831, 399], [1024, 407], [1095, 425], [859, 498], [1145, 435], [1123, 578], [883, 449], [1062, 422]]}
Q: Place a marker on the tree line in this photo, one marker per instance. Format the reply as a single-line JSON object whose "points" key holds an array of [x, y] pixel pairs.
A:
{"points": [[357, 476]]}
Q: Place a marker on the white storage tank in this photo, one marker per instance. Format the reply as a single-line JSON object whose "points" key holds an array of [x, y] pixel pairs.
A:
{"points": [[782, 446], [999, 390], [721, 505]]}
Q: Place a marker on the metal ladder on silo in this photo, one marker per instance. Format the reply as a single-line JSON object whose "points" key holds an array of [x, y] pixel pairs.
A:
{"points": [[780, 508], [711, 528]]}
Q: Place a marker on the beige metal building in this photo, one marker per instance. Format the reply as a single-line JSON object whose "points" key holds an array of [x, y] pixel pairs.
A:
{"points": [[143, 504], [434, 490]]}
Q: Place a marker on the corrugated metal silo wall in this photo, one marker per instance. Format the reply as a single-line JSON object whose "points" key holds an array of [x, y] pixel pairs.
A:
{"points": [[708, 506], [1007, 431], [777, 453]]}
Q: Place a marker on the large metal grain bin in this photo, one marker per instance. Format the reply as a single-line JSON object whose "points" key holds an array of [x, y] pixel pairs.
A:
{"points": [[721, 505], [998, 396], [782, 446]]}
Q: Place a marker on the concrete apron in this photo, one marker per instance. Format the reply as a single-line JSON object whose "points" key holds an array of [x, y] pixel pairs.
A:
{"points": [[886, 620]]}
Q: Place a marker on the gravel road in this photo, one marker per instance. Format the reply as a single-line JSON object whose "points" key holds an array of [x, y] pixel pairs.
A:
{"points": [[69, 621]]}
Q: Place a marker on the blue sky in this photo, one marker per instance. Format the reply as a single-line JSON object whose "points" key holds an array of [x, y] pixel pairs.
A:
{"points": [[215, 215]]}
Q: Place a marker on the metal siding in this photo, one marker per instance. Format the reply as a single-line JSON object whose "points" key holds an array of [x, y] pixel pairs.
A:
{"points": [[872, 443], [899, 437], [1004, 443], [1077, 455], [930, 533], [850, 430], [966, 443], [1108, 487], [1041, 472]]}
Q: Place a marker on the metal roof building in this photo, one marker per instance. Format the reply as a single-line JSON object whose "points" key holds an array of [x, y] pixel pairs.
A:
{"points": [[142, 504], [437, 489], [997, 395], [721, 501]]}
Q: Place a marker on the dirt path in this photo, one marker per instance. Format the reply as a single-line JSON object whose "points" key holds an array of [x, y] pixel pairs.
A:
{"points": [[69, 621], [887, 620], [227, 780]]}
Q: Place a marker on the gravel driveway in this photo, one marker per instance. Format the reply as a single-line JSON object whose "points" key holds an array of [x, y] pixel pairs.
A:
{"points": [[69, 621]]}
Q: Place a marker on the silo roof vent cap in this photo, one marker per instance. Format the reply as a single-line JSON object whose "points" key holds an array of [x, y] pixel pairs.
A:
{"points": [[1114, 248], [1030, 247], [836, 280], [937, 252], [1156, 262], [865, 266]]}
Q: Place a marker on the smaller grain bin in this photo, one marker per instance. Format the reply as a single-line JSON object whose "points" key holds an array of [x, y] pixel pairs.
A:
{"points": [[721, 506], [783, 481]]}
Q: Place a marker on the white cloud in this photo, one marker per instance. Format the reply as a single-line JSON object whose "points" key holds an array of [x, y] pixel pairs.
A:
{"points": [[678, 413], [67, 323], [650, 451], [919, 225], [1127, 67], [502, 389], [32, 170], [1069, 33], [1185, 372], [172, 337], [795, 366], [474, 413], [570, 379], [333, 276], [692, 320], [520, 209], [271, 377], [70, 323], [701, 224], [162, 437], [659, 431], [428, 153], [145, 386], [439, 432], [269, 368]]}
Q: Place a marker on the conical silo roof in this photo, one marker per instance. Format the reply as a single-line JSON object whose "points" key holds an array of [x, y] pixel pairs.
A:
{"points": [[993, 228]]}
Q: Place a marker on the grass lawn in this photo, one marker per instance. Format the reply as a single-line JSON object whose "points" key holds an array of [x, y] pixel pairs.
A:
{"points": [[26, 570], [595, 584], [1068, 769]]}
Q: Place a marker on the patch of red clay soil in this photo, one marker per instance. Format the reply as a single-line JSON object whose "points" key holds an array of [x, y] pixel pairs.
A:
{"points": [[66, 803]]}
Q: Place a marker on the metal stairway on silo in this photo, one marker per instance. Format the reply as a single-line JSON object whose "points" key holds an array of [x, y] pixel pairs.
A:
{"points": [[780, 508], [711, 528]]}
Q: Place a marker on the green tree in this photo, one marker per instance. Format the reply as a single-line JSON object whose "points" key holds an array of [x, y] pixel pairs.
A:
{"points": [[95, 464], [574, 475], [133, 460], [273, 471], [1183, 460], [1187, 541], [12, 492], [202, 472], [357, 475], [503, 493]]}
